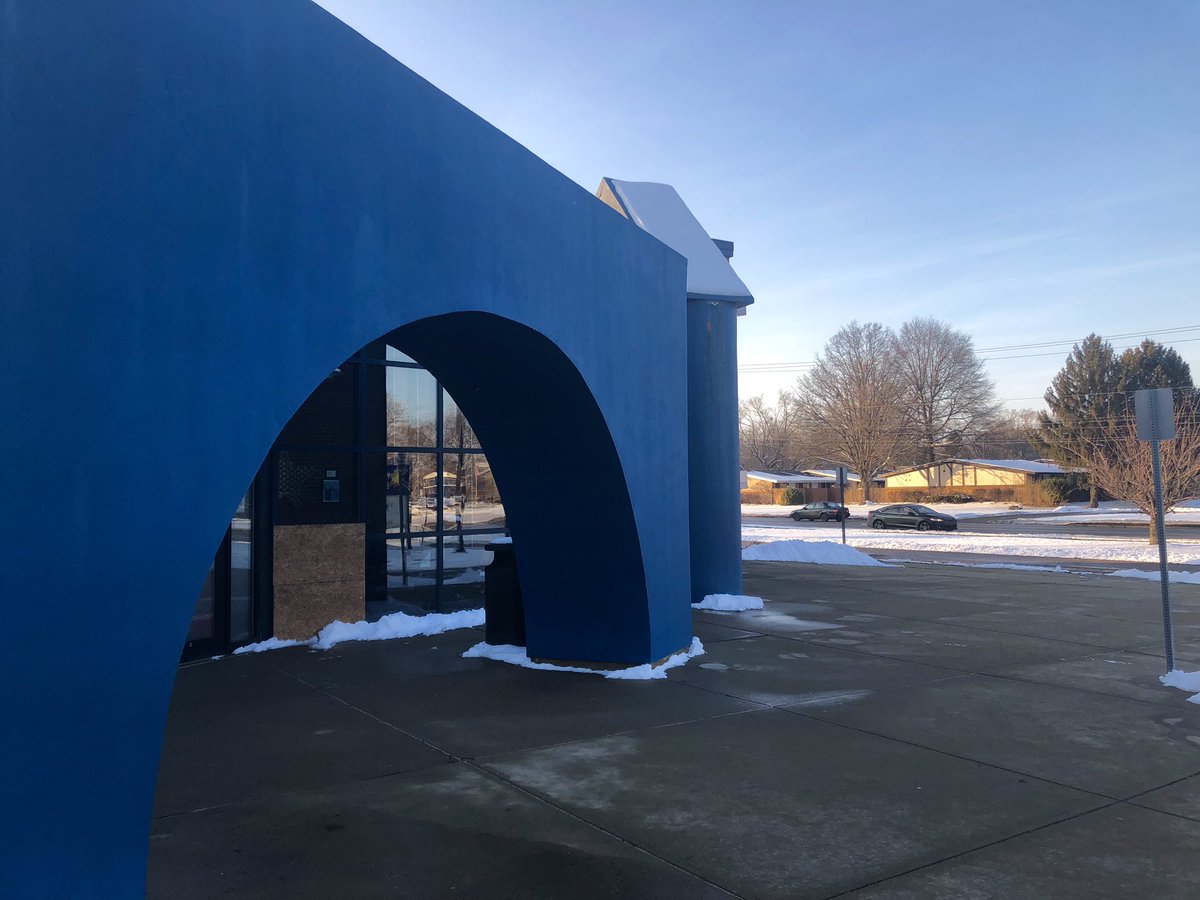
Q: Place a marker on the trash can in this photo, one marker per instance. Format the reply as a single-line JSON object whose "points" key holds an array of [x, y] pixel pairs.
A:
{"points": [[503, 607]]}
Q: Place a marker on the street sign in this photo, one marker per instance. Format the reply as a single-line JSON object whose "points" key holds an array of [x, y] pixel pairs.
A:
{"points": [[1155, 412], [842, 481]]}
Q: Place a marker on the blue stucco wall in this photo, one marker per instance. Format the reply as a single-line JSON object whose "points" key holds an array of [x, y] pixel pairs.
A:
{"points": [[715, 502], [204, 208]]}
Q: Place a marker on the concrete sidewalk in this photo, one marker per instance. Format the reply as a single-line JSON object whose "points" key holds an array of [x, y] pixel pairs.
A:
{"points": [[925, 731]]}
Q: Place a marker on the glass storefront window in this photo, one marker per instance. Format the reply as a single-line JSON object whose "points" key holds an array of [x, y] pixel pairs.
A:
{"points": [[392, 354], [411, 408], [457, 431], [473, 501], [203, 623], [241, 570], [408, 580], [464, 559], [403, 492]]}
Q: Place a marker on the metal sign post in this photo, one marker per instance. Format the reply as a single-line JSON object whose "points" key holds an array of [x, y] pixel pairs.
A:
{"points": [[1155, 412], [841, 480]]}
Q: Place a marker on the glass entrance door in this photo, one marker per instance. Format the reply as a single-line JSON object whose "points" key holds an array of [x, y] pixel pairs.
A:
{"points": [[224, 614]]}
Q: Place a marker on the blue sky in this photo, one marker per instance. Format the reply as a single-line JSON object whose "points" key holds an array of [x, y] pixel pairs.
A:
{"points": [[1026, 171]]}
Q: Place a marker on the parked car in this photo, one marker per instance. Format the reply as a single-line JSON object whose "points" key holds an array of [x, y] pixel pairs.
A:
{"points": [[822, 511], [911, 515]]}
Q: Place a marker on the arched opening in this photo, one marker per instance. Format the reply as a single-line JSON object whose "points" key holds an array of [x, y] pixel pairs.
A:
{"points": [[384, 489]]}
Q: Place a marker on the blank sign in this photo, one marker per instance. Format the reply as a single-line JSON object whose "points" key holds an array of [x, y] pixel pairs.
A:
{"points": [[1155, 411]]}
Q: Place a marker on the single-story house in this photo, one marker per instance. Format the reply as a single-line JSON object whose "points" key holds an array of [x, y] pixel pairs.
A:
{"points": [[852, 477], [760, 485], [975, 473]]}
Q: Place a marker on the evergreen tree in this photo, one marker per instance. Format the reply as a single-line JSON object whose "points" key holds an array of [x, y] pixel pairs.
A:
{"points": [[1082, 399], [1091, 422], [1153, 365]]}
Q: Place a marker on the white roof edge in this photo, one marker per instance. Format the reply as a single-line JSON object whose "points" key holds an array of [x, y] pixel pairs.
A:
{"points": [[659, 210]]}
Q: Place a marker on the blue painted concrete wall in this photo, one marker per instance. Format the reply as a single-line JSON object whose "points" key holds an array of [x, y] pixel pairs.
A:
{"points": [[204, 208], [715, 502]]}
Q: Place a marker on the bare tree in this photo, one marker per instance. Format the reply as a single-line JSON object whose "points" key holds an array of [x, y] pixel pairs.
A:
{"points": [[768, 435], [951, 399], [1121, 464], [854, 402], [1010, 436]]}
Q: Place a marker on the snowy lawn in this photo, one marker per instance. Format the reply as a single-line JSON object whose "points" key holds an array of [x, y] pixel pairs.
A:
{"points": [[517, 656], [1112, 512], [1082, 546], [824, 553]]}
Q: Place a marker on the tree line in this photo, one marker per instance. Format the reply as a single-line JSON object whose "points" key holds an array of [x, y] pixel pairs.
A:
{"points": [[876, 400], [1090, 422]]}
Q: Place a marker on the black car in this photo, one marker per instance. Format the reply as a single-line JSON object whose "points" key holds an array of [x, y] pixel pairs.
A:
{"points": [[911, 515], [822, 511]]}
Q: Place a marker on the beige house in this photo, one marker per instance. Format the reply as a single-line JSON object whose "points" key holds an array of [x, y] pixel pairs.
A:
{"points": [[769, 487], [975, 473]]}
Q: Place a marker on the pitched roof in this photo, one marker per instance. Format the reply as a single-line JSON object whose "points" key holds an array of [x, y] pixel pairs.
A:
{"points": [[658, 209], [790, 477], [1028, 466]]}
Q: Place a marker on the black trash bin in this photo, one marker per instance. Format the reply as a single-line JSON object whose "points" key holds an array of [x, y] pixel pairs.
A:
{"points": [[503, 606]]}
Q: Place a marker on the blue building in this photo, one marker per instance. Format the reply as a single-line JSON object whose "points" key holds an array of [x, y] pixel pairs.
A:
{"points": [[242, 252]]}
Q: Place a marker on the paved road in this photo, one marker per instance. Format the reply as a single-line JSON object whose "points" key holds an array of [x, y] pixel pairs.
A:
{"points": [[1000, 525], [1041, 526]]}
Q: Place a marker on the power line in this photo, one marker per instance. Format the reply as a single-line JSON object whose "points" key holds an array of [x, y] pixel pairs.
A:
{"points": [[1129, 334], [1059, 352], [779, 367]]}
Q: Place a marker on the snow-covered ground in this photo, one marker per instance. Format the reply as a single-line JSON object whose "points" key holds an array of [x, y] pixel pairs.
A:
{"points": [[1081, 546], [823, 553], [1112, 512]]}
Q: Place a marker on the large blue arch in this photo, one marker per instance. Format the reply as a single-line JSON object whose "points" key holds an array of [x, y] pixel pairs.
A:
{"points": [[205, 206]]}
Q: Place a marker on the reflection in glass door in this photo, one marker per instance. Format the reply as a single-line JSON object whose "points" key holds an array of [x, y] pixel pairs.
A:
{"points": [[202, 625], [241, 571], [224, 614]]}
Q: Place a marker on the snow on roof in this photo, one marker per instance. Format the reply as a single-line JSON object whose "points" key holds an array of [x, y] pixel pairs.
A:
{"points": [[1029, 466], [658, 209], [1033, 466], [831, 473], [789, 477]]}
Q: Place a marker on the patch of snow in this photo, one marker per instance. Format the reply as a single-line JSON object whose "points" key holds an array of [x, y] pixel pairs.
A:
{"points": [[1181, 577], [517, 656], [825, 553], [729, 602], [396, 625], [271, 643], [1185, 681]]}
